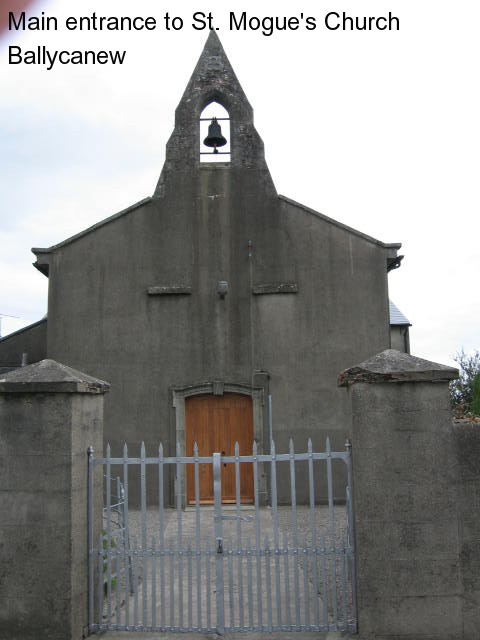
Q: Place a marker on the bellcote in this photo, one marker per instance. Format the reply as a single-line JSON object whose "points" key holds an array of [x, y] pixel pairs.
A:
{"points": [[213, 80]]}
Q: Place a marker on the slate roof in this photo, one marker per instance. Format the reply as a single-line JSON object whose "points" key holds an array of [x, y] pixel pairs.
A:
{"points": [[396, 316]]}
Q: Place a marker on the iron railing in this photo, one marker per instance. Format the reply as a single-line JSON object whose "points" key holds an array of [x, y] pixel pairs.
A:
{"points": [[222, 568]]}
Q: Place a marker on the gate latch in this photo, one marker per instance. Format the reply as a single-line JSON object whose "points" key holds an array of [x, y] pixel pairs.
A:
{"points": [[219, 545]]}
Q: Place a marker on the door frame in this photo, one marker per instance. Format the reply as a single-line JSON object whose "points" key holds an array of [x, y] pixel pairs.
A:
{"points": [[219, 388]]}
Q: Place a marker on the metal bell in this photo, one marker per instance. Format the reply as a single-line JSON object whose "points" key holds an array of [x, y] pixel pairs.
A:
{"points": [[214, 138]]}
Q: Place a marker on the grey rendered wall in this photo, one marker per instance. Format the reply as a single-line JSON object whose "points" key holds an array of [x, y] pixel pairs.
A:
{"points": [[399, 338], [32, 340], [208, 223], [103, 321]]}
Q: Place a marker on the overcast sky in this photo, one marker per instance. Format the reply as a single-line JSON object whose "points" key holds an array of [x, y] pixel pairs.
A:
{"points": [[379, 130]]}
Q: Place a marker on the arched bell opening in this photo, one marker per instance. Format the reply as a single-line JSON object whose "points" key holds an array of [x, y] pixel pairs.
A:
{"points": [[214, 134]]}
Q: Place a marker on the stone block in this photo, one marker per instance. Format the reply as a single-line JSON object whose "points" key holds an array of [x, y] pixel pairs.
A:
{"points": [[427, 539], [26, 618], [411, 403], [415, 576], [471, 609], [27, 507], [36, 577], [389, 498], [467, 444], [47, 431], [24, 540], [37, 473], [407, 616]]}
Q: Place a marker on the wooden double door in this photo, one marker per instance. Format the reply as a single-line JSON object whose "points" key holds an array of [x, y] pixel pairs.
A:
{"points": [[215, 423]]}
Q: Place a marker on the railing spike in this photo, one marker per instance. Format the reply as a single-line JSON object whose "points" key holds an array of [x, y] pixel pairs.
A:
{"points": [[142, 450], [310, 446], [160, 450], [290, 446], [195, 449], [254, 448], [125, 450], [328, 447], [108, 450], [237, 449]]}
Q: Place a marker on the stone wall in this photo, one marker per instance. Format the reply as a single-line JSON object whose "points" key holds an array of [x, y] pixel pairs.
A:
{"points": [[406, 492], [49, 416], [466, 437]]}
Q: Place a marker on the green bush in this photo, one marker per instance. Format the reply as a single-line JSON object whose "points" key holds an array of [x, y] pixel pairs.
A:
{"points": [[462, 390], [475, 407]]}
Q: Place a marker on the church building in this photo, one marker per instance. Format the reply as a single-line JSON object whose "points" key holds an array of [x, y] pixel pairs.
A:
{"points": [[217, 309]]}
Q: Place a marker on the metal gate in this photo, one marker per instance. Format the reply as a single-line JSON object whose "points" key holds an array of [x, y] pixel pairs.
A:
{"points": [[268, 566]]}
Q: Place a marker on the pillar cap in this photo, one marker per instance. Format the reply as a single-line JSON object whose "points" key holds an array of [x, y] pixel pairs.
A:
{"points": [[49, 376], [394, 366]]}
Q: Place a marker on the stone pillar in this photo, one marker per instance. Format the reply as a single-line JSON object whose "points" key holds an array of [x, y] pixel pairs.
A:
{"points": [[467, 435], [49, 415], [404, 488]]}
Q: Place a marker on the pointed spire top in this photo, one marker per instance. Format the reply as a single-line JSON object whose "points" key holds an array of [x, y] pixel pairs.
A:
{"points": [[213, 80], [213, 44]]}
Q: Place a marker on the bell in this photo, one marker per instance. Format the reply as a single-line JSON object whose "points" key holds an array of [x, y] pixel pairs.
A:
{"points": [[214, 138]]}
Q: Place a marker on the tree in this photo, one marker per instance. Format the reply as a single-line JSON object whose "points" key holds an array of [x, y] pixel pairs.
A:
{"points": [[475, 407], [466, 390]]}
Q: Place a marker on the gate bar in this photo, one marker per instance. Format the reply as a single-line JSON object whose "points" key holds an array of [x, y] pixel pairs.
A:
{"points": [[143, 493], [217, 495], [257, 535], [269, 584], [198, 542], [273, 472], [207, 574], [293, 494], [162, 534], [127, 549], [239, 534], [250, 585], [154, 582], [351, 530], [286, 579], [90, 540], [108, 542], [313, 531], [331, 519]]}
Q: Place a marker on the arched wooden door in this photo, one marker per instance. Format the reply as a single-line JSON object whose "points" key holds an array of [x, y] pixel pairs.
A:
{"points": [[215, 423]]}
